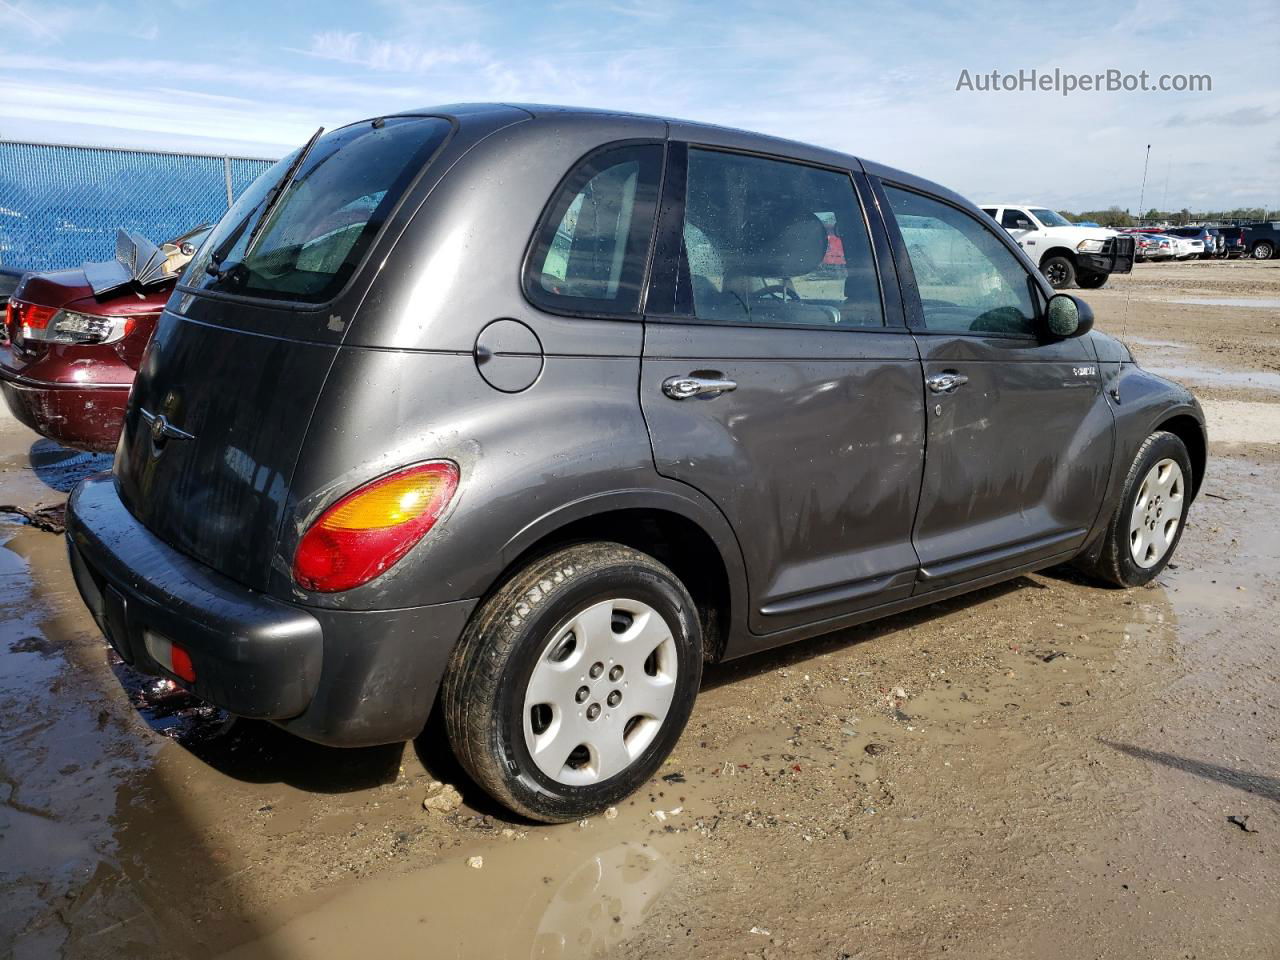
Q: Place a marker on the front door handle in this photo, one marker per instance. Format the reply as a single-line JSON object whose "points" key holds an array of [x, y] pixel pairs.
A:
{"points": [[947, 382], [682, 388]]}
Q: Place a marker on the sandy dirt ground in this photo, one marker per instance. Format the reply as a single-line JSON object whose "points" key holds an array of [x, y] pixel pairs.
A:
{"points": [[1044, 768]]}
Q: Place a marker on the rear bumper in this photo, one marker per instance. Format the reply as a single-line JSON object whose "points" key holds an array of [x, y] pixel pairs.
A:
{"points": [[83, 415], [345, 678]]}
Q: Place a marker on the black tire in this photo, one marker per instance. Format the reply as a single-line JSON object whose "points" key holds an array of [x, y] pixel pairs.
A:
{"points": [[1059, 271], [484, 687], [1263, 250], [1092, 281], [1115, 563]]}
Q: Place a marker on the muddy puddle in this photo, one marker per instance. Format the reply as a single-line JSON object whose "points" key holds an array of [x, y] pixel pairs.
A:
{"points": [[562, 894]]}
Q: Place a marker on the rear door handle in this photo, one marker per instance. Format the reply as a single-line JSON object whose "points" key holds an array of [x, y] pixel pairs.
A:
{"points": [[946, 382], [682, 388]]}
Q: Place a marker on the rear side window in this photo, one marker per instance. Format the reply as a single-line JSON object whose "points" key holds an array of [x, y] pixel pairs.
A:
{"points": [[589, 253], [772, 242], [327, 218], [968, 280]]}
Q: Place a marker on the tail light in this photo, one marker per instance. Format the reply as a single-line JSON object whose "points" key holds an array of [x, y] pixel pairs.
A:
{"points": [[371, 528], [31, 321]]}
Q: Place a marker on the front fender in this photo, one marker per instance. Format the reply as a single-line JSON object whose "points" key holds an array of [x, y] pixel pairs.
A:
{"points": [[1141, 402]]}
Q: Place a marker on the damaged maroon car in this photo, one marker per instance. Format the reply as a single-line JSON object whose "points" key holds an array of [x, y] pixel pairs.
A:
{"points": [[73, 339]]}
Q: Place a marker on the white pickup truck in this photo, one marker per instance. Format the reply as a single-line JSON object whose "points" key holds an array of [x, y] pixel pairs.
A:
{"points": [[1065, 253]]}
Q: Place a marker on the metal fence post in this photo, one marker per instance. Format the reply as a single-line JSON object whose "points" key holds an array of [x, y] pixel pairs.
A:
{"points": [[226, 171]]}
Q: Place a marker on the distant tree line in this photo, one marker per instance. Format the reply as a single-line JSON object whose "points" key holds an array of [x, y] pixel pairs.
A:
{"points": [[1115, 217]]}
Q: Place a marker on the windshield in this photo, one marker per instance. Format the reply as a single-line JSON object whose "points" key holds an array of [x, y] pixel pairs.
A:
{"points": [[327, 217], [1049, 218]]}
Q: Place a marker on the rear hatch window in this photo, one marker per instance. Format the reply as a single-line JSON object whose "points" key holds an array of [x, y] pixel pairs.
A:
{"points": [[301, 238], [241, 395]]}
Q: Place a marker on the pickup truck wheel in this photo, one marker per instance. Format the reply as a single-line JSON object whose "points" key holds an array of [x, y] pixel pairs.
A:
{"points": [[1262, 251], [1059, 271], [573, 682], [1092, 281], [1147, 523]]}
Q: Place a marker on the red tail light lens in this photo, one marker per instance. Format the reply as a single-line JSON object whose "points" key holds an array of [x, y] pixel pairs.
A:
{"points": [[28, 316], [370, 529]]}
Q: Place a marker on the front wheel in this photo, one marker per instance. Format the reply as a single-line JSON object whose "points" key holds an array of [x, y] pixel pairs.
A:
{"points": [[573, 682], [1059, 271], [1092, 281], [1147, 523]]}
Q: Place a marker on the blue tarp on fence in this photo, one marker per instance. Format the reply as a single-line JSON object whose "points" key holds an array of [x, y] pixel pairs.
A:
{"points": [[62, 205]]}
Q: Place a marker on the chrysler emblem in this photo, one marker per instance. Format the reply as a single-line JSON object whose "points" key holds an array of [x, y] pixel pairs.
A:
{"points": [[161, 429]]}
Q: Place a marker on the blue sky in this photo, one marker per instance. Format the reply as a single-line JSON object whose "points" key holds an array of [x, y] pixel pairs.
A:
{"points": [[874, 79]]}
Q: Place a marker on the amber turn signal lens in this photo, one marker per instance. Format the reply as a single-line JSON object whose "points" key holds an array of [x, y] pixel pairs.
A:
{"points": [[372, 528]]}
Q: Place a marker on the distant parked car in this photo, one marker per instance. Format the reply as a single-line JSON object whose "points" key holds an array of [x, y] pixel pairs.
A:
{"points": [[1152, 247], [1208, 240], [1233, 244], [1262, 240], [75, 339], [1185, 248], [1087, 223]]}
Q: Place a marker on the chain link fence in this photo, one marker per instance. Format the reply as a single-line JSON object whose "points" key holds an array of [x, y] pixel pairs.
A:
{"points": [[62, 205]]}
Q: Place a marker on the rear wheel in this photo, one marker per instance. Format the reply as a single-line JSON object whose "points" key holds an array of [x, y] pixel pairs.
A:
{"points": [[1262, 251], [1059, 271], [573, 682], [1092, 281], [1147, 523]]}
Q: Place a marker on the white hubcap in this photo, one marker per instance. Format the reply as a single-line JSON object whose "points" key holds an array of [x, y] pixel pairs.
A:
{"points": [[600, 691], [1156, 513]]}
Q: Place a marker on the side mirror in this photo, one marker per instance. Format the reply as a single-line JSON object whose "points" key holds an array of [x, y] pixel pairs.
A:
{"points": [[1022, 225], [1068, 316]]}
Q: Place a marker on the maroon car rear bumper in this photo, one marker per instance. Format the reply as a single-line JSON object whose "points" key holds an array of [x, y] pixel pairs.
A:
{"points": [[87, 416]]}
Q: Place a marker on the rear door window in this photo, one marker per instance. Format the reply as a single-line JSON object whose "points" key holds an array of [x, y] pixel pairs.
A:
{"points": [[589, 253], [330, 212], [773, 242]]}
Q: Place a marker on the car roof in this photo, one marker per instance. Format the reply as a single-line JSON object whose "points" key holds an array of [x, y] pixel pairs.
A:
{"points": [[688, 129]]}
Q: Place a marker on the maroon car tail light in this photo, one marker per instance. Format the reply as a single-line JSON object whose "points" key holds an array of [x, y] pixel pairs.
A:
{"points": [[373, 527], [30, 321], [27, 320]]}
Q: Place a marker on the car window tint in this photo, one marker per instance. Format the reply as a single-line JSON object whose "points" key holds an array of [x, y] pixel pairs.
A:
{"points": [[589, 253], [990, 212], [767, 241], [329, 214], [968, 280], [1010, 218]]}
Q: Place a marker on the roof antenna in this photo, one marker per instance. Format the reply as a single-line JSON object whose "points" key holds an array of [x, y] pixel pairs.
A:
{"points": [[1142, 198]]}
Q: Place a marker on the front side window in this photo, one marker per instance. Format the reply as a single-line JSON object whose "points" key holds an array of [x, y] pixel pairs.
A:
{"points": [[1015, 220], [590, 250], [323, 220], [772, 242], [968, 280]]}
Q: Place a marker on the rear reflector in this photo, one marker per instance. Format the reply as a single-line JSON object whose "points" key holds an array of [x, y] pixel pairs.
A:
{"points": [[370, 529], [170, 656]]}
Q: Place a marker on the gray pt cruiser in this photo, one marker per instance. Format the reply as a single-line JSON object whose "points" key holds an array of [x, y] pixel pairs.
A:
{"points": [[537, 410]]}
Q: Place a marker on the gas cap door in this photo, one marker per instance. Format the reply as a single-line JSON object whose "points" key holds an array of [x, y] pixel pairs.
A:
{"points": [[508, 355]]}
